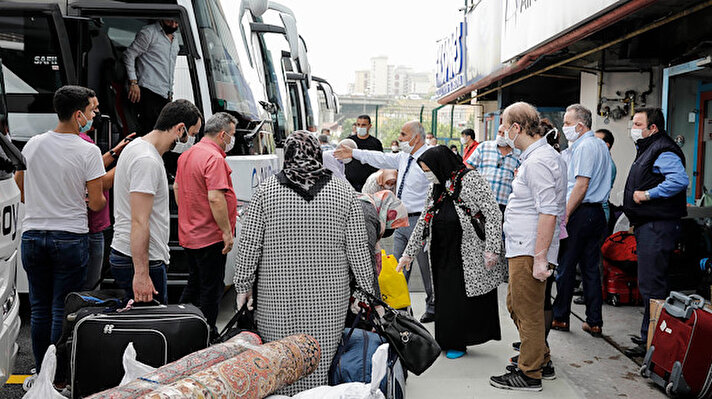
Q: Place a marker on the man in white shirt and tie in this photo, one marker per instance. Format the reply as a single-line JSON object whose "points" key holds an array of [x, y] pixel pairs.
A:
{"points": [[411, 188]]}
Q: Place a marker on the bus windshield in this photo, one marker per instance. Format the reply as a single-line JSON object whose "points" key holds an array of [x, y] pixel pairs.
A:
{"points": [[228, 87]]}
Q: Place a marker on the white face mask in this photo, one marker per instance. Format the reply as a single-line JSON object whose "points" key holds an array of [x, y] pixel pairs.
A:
{"points": [[570, 133], [394, 148], [501, 141], [431, 177], [636, 134], [346, 160], [181, 147], [433, 141], [508, 141], [463, 141], [361, 131], [231, 144], [405, 146]]}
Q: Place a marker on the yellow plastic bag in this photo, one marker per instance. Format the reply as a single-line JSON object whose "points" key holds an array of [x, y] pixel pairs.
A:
{"points": [[394, 288]]}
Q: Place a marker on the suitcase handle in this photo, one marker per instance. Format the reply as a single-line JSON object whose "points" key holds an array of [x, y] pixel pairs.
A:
{"points": [[682, 306]]}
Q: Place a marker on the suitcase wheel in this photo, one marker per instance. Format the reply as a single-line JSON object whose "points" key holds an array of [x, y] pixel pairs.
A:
{"points": [[614, 299], [668, 390]]}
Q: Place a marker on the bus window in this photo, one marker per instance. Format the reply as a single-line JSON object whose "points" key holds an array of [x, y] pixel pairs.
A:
{"points": [[31, 56], [295, 103], [229, 89], [35, 64], [272, 46]]}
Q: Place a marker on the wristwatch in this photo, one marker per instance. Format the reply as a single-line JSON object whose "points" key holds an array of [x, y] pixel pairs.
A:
{"points": [[647, 195], [133, 82], [112, 153]]}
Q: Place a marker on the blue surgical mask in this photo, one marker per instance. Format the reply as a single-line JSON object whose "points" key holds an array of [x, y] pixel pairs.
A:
{"points": [[87, 127]]}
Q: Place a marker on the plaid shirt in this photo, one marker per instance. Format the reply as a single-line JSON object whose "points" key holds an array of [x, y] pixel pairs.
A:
{"points": [[498, 170]]}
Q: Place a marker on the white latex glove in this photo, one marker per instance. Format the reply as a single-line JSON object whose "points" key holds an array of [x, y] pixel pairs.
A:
{"points": [[245, 297], [541, 270], [404, 262], [354, 307], [490, 260]]}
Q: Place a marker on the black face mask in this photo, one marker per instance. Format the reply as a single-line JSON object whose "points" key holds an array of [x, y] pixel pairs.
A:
{"points": [[168, 29]]}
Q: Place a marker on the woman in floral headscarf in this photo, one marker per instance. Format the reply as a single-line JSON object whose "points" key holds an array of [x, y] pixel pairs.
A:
{"points": [[466, 266], [384, 213], [301, 235]]}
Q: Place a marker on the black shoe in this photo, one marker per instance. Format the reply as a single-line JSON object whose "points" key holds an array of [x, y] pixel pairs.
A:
{"points": [[638, 351], [427, 317], [636, 339], [516, 345], [547, 371], [579, 300], [516, 380]]}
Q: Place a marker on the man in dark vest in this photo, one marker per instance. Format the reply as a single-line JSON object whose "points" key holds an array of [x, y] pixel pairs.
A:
{"points": [[654, 202]]}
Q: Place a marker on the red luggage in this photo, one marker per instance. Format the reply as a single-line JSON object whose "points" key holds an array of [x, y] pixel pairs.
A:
{"points": [[620, 250], [619, 287], [680, 355]]}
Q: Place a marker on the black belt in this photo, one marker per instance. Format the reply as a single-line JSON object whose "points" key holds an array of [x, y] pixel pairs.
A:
{"points": [[414, 214], [591, 204]]}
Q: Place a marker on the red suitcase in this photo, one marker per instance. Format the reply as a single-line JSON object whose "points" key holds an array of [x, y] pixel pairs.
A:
{"points": [[680, 355], [619, 287]]}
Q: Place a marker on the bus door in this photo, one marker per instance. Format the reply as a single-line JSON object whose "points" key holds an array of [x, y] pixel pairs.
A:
{"points": [[102, 44]]}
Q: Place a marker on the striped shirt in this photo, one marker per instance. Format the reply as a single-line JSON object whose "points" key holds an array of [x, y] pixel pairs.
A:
{"points": [[497, 169]]}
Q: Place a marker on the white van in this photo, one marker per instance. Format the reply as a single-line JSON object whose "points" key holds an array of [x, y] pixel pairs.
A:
{"points": [[10, 160]]}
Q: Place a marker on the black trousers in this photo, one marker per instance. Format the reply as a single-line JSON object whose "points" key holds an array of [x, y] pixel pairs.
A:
{"points": [[586, 227], [205, 282], [655, 243], [149, 107]]}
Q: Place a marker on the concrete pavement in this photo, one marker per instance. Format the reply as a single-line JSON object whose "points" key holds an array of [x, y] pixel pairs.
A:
{"points": [[586, 367]]}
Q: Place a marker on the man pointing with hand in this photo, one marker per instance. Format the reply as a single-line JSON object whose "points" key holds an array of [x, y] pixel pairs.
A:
{"points": [[411, 189]]}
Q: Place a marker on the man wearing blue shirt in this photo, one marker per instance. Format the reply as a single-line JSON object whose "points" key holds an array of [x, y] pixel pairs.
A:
{"points": [[654, 202], [589, 184]]}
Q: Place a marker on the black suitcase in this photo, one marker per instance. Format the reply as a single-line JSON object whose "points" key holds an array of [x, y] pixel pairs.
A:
{"points": [[110, 300], [160, 334]]}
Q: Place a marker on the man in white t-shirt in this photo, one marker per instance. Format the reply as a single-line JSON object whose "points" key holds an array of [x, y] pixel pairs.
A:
{"points": [[63, 177], [139, 251]]}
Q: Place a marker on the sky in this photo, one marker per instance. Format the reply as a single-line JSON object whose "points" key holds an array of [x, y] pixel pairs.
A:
{"points": [[342, 35]]}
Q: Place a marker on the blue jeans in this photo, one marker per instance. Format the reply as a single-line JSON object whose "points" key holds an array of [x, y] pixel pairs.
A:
{"points": [[96, 260], [586, 228], [56, 264], [122, 269], [400, 241]]}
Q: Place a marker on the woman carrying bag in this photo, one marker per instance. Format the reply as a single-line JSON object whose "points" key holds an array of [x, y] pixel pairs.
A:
{"points": [[466, 270], [302, 238]]}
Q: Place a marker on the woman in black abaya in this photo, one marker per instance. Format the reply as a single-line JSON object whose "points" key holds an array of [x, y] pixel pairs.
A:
{"points": [[466, 269]]}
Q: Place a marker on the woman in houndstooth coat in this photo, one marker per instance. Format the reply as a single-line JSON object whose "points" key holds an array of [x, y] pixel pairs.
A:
{"points": [[302, 234]]}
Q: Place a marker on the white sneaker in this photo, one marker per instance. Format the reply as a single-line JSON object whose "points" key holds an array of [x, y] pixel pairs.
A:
{"points": [[29, 381]]}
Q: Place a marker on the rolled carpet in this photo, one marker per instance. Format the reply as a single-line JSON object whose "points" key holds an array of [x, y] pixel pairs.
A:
{"points": [[253, 374], [183, 367]]}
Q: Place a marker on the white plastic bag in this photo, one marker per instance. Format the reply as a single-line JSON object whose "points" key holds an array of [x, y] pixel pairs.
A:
{"points": [[133, 368], [43, 387], [355, 390]]}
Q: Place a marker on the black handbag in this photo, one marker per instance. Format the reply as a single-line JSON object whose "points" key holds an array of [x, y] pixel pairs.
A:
{"points": [[416, 348], [243, 320]]}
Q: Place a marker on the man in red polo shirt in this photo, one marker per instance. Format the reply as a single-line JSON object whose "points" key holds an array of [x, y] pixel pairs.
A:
{"points": [[207, 213]]}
